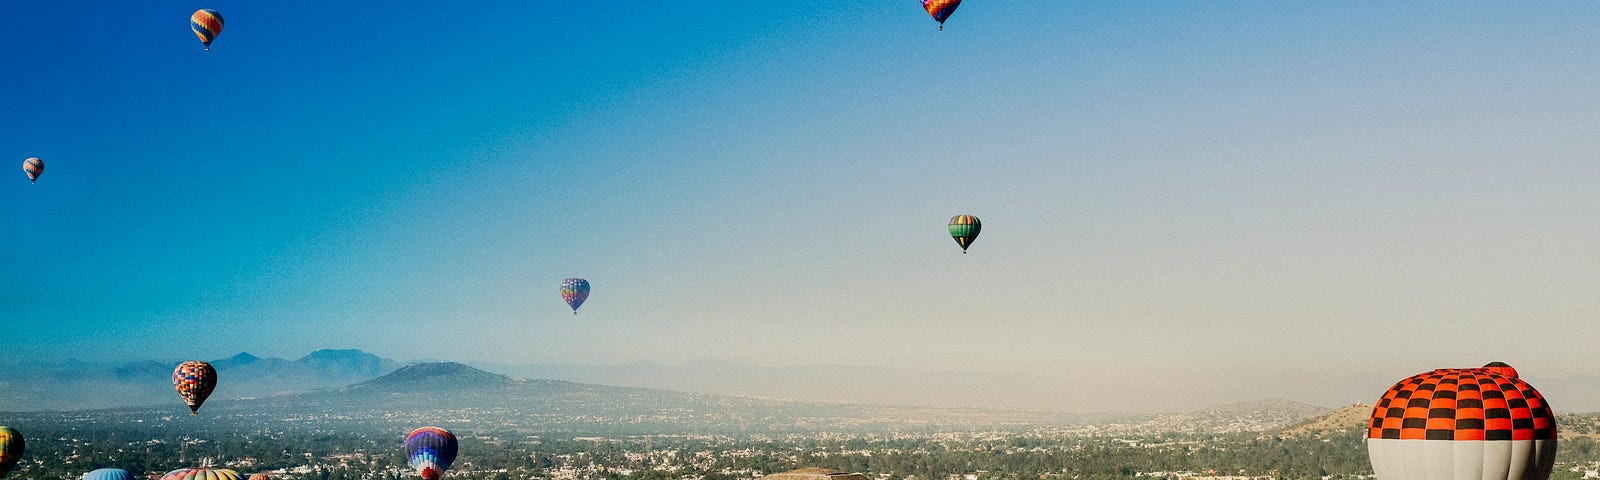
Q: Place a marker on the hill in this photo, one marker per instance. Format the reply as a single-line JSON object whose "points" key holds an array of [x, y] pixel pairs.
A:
{"points": [[434, 377], [1342, 420]]}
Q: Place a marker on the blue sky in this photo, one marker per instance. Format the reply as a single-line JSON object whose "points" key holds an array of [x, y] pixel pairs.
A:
{"points": [[1168, 190]]}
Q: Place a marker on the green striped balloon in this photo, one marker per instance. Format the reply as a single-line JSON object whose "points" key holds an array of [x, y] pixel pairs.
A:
{"points": [[965, 228]]}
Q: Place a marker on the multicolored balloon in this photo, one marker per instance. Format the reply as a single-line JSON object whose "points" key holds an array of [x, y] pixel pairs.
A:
{"points": [[575, 291], [965, 228], [33, 167], [201, 474], [194, 380], [259, 476], [11, 447], [940, 9], [207, 24], [431, 450], [108, 474], [1463, 424]]}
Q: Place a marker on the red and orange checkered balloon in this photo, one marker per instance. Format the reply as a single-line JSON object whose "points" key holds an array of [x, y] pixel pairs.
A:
{"points": [[1462, 423]]}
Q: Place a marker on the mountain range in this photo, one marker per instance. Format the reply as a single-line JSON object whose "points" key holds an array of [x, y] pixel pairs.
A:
{"points": [[1071, 391], [72, 385], [461, 395], [397, 395], [75, 385], [826, 383]]}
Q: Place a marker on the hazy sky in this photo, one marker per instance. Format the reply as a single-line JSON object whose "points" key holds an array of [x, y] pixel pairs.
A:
{"points": [[1226, 196]]}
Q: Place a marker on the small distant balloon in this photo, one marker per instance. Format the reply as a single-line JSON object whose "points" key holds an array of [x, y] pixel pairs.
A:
{"points": [[259, 476], [575, 291], [431, 450], [11, 447], [194, 381], [207, 24], [33, 167], [108, 474], [201, 474], [940, 9], [965, 228]]}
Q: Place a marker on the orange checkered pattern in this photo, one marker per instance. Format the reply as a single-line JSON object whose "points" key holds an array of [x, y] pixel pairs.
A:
{"points": [[1462, 404]]}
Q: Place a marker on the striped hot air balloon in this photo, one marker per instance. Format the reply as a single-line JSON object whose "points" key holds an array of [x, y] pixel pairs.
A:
{"points": [[259, 476], [108, 474], [1462, 424], [575, 291], [965, 228], [194, 380], [431, 450], [940, 9], [33, 167], [201, 474], [207, 24], [11, 447]]}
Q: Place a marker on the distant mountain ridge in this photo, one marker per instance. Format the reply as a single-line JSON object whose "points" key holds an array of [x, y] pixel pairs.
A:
{"points": [[472, 396], [1261, 416], [567, 406], [826, 383], [74, 384]]}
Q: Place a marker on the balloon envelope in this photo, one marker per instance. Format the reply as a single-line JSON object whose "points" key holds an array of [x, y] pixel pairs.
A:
{"points": [[33, 167], [108, 474], [431, 450], [1462, 424], [965, 228], [575, 291], [11, 447], [201, 474], [194, 380], [259, 476], [940, 9], [207, 24]]}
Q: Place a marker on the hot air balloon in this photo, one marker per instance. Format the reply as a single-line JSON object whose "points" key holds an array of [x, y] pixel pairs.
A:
{"points": [[33, 167], [259, 476], [11, 447], [431, 450], [940, 9], [194, 381], [108, 474], [575, 291], [1462, 424], [207, 24], [964, 228], [201, 474], [1501, 368]]}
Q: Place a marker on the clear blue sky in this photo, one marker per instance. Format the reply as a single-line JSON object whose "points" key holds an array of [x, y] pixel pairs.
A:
{"points": [[1169, 190]]}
